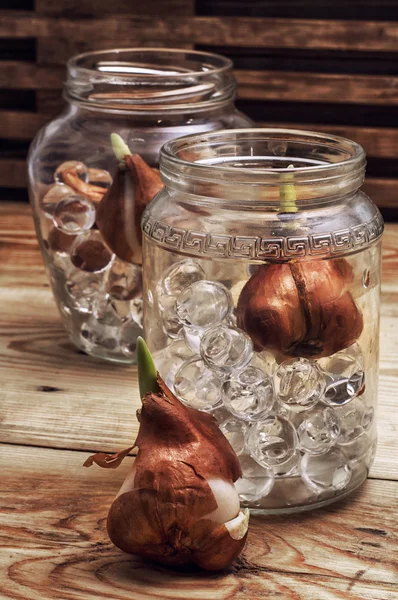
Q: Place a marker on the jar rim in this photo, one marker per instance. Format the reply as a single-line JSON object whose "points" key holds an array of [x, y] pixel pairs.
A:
{"points": [[208, 167], [149, 79], [225, 63]]}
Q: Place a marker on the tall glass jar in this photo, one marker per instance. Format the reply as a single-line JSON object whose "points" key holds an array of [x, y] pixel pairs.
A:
{"points": [[261, 287], [88, 192]]}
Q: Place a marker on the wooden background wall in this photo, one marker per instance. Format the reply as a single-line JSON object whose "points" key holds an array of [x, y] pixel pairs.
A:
{"points": [[329, 65]]}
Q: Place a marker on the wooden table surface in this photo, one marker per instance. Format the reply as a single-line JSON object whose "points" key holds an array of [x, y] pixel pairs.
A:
{"points": [[58, 405]]}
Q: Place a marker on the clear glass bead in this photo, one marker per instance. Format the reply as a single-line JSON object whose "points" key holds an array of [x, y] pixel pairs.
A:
{"points": [[55, 194], [299, 383], [319, 431], [225, 350], [100, 178], [203, 304], [90, 253], [256, 481], [179, 276], [344, 375], [271, 441], [197, 386], [330, 471], [74, 214], [355, 417], [171, 324], [249, 394], [193, 337], [234, 430], [76, 166], [83, 289], [124, 280]]}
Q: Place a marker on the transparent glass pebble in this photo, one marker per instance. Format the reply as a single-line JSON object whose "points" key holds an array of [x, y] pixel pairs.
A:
{"points": [[300, 384], [203, 304], [181, 275], [128, 335], [355, 417], [271, 441], [193, 338], [74, 165], [171, 324], [344, 375], [97, 335], [74, 214], [55, 194], [319, 431], [124, 280], [90, 253], [330, 471], [105, 313], [83, 289], [128, 310], [256, 481], [197, 386], [358, 448], [225, 350], [100, 178], [168, 360], [288, 468], [234, 430], [249, 394]]}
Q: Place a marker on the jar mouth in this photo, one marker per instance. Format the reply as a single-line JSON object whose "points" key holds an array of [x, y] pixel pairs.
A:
{"points": [[149, 79], [257, 162]]}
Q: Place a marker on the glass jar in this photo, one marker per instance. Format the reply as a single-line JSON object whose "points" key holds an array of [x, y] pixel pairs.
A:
{"points": [[261, 287], [88, 198]]}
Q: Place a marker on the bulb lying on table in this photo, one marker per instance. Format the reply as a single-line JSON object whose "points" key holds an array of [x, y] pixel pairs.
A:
{"points": [[178, 505]]}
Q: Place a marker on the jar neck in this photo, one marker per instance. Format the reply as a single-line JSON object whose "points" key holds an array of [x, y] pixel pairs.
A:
{"points": [[275, 169], [150, 82]]}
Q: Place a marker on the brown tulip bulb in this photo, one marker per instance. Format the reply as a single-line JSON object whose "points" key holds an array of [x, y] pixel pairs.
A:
{"points": [[178, 504], [300, 308], [120, 210]]}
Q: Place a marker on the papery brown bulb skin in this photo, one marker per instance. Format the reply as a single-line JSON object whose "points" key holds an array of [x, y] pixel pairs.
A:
{"points": [[120, 211], [300, 308], [164, 518]]}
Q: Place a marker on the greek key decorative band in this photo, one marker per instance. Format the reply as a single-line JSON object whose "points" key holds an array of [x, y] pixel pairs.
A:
{"points": [[262, 248]]}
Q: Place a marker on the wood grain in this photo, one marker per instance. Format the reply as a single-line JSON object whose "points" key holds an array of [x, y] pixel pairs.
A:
{"points": [[226, 31], [54, 543], [19, 125], [253, 85], [98, 8], [318, 87], [57, 51], [380, 142]]}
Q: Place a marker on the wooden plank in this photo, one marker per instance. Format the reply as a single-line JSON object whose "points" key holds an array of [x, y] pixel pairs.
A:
{"points": [[54, 543], [13, 173], [29, 76], [35, 354], [98, 8], [384, 192], [252, 85], [380, 142], [227, 31], [18, 125], [317, 87], [57, 51], [328, 9]]}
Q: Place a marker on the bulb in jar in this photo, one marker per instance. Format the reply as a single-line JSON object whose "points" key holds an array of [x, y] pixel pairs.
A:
{"points": [[300, 308]]}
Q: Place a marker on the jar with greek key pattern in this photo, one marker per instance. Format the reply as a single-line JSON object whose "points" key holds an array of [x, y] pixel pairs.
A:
{"points": [[261, 304]]}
